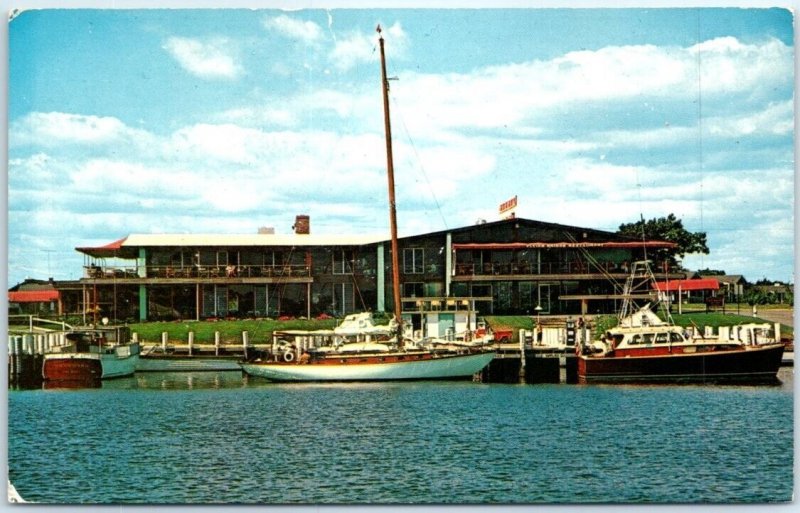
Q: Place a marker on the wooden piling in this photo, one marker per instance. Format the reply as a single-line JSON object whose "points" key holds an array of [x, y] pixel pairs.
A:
{"points": [[521, 359]]}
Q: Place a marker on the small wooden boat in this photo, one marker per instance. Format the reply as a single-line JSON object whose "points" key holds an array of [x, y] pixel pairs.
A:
{"points": [[91, 355]]}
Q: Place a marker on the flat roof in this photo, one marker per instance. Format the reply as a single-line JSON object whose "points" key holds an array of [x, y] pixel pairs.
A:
{"points": [[255, 239], [139, 240]]}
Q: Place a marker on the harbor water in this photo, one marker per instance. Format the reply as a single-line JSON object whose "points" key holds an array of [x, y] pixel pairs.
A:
{"points": [[189, 438]]}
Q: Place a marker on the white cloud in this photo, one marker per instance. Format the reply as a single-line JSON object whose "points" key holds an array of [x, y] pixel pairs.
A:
{"points": [[50, 129], [306, 31], [520, 95], [775, 119], [222, 142], [212, 59], [475, 139]]}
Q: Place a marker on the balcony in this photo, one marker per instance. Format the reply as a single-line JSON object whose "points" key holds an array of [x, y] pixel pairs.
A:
{"points": [[489, 271], [201, 272]]}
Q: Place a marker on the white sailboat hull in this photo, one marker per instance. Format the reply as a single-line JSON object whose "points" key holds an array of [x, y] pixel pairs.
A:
{"points": [[444, 367]]}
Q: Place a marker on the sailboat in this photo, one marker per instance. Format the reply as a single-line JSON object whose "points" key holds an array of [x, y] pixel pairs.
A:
{"points": [[371, 353]]}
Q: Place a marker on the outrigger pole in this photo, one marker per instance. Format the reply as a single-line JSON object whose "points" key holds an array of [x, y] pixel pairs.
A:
{"points": [[392, 205]]}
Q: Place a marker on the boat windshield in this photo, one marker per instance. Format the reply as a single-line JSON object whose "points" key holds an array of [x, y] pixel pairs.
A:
{"points": [[665, 337]]}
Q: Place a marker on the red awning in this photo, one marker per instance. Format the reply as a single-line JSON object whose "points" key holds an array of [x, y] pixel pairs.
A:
{"points": [[109, 250], [684, 285], [32, 296], [564, 245]]}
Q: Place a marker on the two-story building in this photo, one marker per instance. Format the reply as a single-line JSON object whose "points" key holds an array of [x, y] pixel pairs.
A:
{"points": [[511, 266]]}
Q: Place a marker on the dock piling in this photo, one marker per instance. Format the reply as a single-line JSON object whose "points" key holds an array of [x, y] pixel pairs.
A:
{"points": [[522, 359]]}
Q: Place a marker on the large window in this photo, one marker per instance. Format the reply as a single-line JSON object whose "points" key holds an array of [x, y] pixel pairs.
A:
{"points": [[413, 289], [413, 260], [342, 261], [343, 298]]}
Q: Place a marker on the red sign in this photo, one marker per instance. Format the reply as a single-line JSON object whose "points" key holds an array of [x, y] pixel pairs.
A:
{"points": [[507, 208], [508, 205]]}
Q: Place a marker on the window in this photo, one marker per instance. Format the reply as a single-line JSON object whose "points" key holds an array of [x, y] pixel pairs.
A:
{"points": [[413, 260], [343, 298], [341, 262], [413, 289]]}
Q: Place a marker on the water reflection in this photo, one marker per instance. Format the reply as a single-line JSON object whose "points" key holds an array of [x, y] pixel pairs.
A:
{"points": [[72, 384], [237, 379], [185, 380]]}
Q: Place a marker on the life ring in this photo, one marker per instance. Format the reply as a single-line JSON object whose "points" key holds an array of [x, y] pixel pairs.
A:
{"points": [[288, 357]]}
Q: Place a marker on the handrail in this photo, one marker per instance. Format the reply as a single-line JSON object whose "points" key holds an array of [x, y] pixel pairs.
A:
{"points": [[31, 319], [533, 268], [199, 271]]}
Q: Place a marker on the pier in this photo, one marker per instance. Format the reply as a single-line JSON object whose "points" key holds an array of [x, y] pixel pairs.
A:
{"points": [[29, 338], [545, 354]]}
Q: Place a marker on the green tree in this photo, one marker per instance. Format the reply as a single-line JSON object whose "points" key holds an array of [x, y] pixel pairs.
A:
{"points": [[711, 272], [669, 229]]}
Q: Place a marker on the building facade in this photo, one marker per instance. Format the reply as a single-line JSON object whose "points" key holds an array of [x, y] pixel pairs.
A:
{"points": [[514, 266]]}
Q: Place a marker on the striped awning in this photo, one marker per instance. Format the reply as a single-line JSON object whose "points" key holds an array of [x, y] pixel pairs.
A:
{"points": [[562, 245], [32, 296]]}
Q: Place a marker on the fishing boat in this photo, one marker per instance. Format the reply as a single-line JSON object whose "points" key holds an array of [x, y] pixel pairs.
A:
{"points": [[362, 351], [91, 355], [643, 348]]}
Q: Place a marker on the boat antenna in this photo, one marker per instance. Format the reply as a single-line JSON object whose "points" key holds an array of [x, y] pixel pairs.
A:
{"points": [[392, 203]]}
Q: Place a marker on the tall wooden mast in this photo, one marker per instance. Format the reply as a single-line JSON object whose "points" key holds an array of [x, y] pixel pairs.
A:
{"points": [[392, 204]]}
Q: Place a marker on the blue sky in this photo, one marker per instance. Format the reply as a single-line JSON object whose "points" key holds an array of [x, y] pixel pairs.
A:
{"points": [[225, 120]]}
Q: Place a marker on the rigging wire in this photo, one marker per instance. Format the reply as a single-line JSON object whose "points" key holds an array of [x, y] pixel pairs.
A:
{"points": [[398, 111], [596, 263], [700, 128], [351, 265]]}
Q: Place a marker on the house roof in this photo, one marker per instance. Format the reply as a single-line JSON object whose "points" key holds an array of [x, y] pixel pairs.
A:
{"points": [[727, 278], [32, 296], [128, 247], [685, 285], [32, 284]]}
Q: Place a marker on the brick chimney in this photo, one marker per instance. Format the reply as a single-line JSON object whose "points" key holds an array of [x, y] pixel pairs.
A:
{"points": [[302, 225]]}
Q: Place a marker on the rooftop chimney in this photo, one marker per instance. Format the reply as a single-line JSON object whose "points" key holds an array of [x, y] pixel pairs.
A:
{"points": [[302, 225]]}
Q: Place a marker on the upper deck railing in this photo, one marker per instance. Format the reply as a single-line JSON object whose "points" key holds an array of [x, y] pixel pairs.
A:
{"points": [[526, 268], [198, 271]]}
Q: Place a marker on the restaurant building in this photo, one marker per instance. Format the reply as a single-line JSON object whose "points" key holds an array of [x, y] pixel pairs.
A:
{"points": [[510, 266]]}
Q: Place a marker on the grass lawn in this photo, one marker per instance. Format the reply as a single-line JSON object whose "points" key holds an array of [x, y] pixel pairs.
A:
{"points": [[260, 330]]}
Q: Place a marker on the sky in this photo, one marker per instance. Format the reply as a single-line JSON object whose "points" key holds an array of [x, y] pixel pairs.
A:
{"points": [[226, 120]]}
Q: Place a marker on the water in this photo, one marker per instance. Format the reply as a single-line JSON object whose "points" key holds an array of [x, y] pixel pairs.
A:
{"points": [[219, 438]]}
